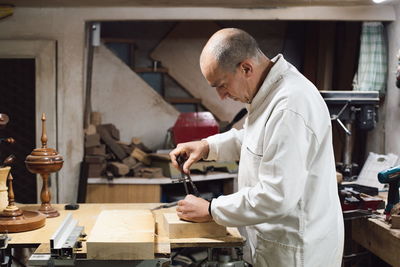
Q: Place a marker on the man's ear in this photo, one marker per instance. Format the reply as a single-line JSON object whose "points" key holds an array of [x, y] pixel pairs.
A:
{"points": [[247, 68]]}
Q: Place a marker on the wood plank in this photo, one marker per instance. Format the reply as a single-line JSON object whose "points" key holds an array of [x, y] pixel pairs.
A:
{"points": [[111, 143], [123, 193], [141, 156], [232, 239], [122, 235], [176, 228]]}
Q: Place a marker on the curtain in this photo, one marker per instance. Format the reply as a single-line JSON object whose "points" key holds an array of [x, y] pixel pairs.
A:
{"points": [[373, 63]]}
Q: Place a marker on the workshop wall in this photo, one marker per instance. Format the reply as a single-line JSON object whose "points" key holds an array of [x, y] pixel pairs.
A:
{"points": [[136, 109], [384, 138], [67, 27], [391, 118]]}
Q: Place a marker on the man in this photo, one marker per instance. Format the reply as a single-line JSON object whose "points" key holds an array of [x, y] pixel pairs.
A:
{"points": [[287, 203]]}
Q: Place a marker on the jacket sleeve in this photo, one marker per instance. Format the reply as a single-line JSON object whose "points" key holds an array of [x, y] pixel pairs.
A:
{"points": [[225, 146], [289, 147]]}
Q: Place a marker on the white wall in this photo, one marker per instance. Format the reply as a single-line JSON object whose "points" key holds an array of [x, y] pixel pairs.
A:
{"points": [[124, 99], [392, 116]]}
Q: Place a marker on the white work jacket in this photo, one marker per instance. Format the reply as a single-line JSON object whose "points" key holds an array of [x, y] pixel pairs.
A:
{"points": [[287, 200]]}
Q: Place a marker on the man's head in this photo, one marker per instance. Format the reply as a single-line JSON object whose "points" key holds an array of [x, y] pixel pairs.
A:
{"points": [[232, 62]]}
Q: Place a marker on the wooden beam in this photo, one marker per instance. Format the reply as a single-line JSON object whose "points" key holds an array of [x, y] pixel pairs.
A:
{"points": [[339, 13], [176, 228], [122, 235]]}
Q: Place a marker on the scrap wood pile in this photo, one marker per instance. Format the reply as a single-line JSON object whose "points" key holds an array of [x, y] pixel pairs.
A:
{"points": [[107, 156]]}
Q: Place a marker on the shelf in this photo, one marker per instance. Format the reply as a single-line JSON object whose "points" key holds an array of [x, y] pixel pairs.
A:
{"points": [[161, 180]]}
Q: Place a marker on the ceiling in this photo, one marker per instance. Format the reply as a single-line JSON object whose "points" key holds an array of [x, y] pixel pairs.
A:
{"points": [[193, 3]]}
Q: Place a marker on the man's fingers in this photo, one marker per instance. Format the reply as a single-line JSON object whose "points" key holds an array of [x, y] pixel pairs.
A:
{"points": [[188, 163], [173, 156]]}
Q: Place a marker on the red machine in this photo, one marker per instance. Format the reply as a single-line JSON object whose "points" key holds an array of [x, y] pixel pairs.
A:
{"points": [[192, 126]]}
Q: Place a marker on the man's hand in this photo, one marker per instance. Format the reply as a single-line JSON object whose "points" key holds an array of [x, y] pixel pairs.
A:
{"points": [[193, 209], [191, 151]]}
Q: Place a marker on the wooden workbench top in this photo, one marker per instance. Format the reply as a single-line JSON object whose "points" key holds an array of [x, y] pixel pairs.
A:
{"points": [[87, 215], [377, 236]]}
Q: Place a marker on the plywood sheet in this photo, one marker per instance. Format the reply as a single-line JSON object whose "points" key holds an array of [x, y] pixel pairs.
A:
{"points": [[177, 228], [180, 52], [122, 235]]}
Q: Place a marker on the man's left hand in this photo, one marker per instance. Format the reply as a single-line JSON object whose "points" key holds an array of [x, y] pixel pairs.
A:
{"points": [[193, 209]]}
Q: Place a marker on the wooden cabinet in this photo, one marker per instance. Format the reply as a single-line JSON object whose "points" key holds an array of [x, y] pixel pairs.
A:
{"points": [[144, 190]]}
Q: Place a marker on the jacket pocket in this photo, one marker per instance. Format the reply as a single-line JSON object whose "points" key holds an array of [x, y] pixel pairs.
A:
{"points": [[274, 254], [254, 154]]}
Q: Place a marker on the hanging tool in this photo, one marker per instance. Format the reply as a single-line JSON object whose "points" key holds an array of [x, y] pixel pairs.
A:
{"points": [[185, 178], [8, 140], [392, 177], [4, 119], [8, 161]]}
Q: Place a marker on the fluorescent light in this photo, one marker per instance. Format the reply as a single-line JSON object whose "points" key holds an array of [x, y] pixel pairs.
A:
{"points": [[378, 1]]}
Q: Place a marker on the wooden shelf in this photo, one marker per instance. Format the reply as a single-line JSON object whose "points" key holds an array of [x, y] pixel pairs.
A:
{"points": [[161, 180]]}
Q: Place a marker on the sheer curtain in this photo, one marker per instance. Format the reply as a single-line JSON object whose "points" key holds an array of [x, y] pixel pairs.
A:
{"points": [[373, 62]]}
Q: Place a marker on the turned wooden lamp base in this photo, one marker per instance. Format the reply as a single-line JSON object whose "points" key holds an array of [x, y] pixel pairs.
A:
{"points": [[27, 221], [44, 161], [49, 211]]}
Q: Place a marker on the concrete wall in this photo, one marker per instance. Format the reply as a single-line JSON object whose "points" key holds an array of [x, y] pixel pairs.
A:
{"points": [[123, 98], [50, 24], [385, 138], [392, 117]]}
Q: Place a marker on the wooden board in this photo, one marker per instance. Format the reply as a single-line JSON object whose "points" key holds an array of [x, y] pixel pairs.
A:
{"points": [[180, 52], [122, 235], [123, 193], [176, 228]]}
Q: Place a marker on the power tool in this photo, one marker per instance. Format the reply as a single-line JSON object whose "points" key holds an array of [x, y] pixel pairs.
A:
{"points": [[392, 177]]}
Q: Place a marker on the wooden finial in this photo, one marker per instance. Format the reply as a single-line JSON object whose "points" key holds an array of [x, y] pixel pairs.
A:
{"points": [[44, 135], [11, 196]]}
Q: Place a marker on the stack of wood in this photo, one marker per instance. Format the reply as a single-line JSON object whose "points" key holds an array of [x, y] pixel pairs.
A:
{"points": [[107, 156]]}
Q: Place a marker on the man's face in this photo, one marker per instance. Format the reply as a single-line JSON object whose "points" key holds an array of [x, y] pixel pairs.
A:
{"points": [[228, 84]]}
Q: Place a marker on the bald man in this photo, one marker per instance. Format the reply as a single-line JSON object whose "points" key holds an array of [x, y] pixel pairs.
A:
{"points": [[287, 204]]}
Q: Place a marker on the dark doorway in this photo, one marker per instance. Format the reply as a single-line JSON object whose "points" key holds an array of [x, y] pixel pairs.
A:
{"points": [[17, 100]]}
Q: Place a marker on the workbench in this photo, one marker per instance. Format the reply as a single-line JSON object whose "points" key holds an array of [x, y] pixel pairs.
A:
{"points": [[376, 235], [87, 214]]}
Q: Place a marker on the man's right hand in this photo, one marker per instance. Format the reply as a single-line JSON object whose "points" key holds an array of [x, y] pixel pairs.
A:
{"points": [[191, 151]]}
